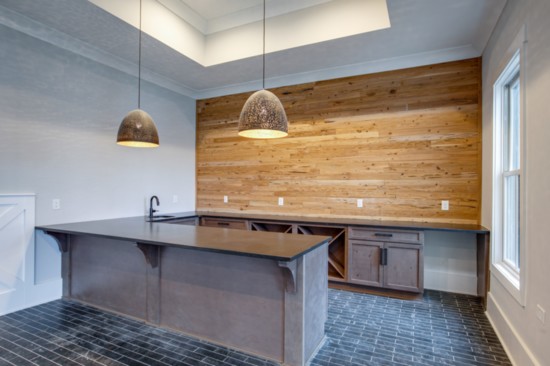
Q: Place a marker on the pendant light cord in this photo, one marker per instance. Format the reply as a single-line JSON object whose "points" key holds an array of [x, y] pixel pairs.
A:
{"points": [[139, 59], [263, 53]]}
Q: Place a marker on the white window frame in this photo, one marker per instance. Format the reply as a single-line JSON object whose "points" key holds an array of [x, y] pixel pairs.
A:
{"points": [[512, 278]]}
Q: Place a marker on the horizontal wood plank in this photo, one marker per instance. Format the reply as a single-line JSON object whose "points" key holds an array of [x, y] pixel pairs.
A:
{"points": [[401, 140]]}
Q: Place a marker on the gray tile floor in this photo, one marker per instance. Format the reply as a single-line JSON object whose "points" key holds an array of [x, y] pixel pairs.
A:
{"points": [[439, 329]]}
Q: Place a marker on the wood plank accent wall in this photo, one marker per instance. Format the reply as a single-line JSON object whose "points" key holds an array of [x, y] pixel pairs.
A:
{"points": [[401, 140]]}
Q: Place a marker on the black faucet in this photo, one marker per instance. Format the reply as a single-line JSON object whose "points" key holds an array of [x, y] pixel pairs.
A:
{"points": [[151, 211]]}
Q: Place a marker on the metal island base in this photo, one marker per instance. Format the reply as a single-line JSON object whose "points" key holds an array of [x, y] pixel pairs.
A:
{"points": [[262, 293]]}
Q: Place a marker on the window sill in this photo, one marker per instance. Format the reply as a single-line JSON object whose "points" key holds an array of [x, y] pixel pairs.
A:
{"points": [[510, 281]]}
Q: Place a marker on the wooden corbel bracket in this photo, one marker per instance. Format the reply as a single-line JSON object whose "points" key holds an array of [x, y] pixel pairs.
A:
{"points": [[150, 252], [290, 283], [61, 239]]}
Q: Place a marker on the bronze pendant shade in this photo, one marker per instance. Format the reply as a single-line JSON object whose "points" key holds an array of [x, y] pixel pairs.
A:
{"points": [[137, 129], [263, 115]]}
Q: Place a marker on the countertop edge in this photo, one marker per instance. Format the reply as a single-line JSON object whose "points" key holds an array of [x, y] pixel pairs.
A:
{"points": [[411, 225], [55, 229]]}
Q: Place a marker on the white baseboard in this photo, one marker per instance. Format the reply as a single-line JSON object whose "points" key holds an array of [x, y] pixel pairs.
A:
{"points": [[38, 294], [460, 283], [515, 347]]}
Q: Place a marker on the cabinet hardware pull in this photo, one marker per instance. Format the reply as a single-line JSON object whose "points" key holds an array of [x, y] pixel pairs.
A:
{"points": [[383, 235], [223, 223], [384, 256]]}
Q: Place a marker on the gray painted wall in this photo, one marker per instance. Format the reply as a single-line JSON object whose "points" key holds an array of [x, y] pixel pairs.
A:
{"points": [[59, 115]]}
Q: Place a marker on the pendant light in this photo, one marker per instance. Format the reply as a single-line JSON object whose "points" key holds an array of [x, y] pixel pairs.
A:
{"points": [[137, 129], [263, 115]]}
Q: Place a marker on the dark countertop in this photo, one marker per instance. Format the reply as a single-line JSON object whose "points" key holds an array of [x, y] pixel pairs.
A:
{"points": [[277, 246], [412, 225]]}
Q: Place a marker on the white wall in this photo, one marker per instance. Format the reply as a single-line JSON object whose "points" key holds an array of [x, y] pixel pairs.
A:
{"points": [[525, 337], [450, 262], [59, 115]]}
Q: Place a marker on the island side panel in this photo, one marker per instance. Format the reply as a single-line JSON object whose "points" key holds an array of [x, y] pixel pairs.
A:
{"points": [[306, 309], [232, 300], [316, 299], [108, 273]]}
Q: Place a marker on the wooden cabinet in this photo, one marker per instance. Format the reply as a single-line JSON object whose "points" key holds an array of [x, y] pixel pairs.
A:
{"points": [[365, 258], [337, 248], [386, 258], [362, 255], [192, 221], [404, 269], [224, 223], [272, 226]]}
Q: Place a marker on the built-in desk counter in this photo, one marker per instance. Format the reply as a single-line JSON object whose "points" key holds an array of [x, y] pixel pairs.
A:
{"points": [[260, 292], [341, 247], [415, 225]]}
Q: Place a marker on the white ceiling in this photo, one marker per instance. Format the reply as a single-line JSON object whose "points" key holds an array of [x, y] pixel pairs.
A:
{"points": [[210, 16], [421, 32], [239, 33]]}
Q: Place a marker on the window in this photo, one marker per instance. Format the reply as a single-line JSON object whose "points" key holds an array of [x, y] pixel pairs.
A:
{"points": [[508, 161], [511, 175]]}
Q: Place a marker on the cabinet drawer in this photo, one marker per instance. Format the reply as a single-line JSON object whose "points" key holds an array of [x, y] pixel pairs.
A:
{"points": [[386, 235], [190, 221], [224, 223]]}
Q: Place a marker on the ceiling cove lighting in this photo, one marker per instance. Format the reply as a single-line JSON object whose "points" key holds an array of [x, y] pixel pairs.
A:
{"points": [[137, 129], [263, 115]]}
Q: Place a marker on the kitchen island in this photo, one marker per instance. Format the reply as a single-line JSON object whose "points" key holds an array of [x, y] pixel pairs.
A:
{"points": [[260, 292]]}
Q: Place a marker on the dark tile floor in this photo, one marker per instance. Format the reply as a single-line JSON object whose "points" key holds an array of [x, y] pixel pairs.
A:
{"points": [[440, 329]]}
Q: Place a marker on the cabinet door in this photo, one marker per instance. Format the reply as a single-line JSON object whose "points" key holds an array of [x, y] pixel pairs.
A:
{"points": [[365, 263], [404, 269]]}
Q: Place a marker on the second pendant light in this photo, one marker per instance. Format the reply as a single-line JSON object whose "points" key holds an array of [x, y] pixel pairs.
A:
{"points": [[263, 115]]}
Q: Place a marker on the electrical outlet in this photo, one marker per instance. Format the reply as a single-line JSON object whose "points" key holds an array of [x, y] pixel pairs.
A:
{"points": [[541, 313], [359, 202], [56, 204], [225, 199], [445, 205], [175, 199], [281, 201]]}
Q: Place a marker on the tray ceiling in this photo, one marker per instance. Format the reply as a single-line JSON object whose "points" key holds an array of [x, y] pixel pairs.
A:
{"points": [[306, 40]]}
